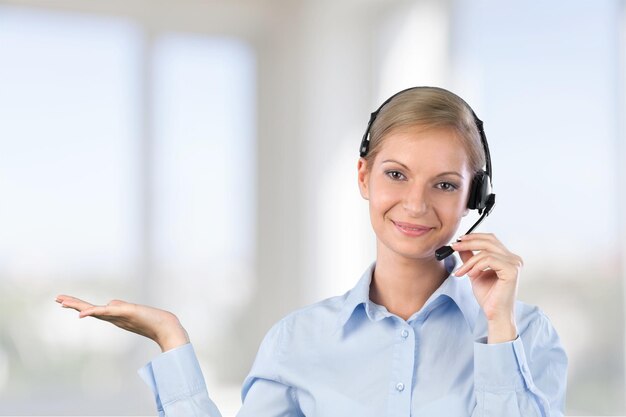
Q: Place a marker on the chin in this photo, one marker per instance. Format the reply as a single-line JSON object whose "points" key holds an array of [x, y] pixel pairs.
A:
{"points": [[416, 254]]}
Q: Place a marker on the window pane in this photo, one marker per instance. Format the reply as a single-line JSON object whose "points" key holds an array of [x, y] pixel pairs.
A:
{"points": [[68, 130], [67, 138], [205, 183]]}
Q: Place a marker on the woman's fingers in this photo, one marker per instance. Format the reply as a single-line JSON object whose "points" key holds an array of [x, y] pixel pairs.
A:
{"points": [[470, 264], [77, 304], [465, 255], [493, 271], [490, 254], [480, 242], [120, 313], [159, 325], [484, 262], [101, 312], [113, 309]]}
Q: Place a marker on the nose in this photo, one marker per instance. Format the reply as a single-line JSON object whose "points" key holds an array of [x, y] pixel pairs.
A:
{"points": [[415, 200]]}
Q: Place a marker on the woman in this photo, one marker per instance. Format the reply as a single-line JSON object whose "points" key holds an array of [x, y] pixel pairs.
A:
{"points": [[416, 336]]}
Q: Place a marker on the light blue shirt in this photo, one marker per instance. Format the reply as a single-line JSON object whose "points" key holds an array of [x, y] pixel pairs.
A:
{"points": [[349, 357]]}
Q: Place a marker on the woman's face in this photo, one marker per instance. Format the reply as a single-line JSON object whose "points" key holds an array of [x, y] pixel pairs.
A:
{"points": [[417, 187]]}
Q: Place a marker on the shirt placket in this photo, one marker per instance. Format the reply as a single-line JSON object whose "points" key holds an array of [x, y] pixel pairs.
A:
{"points": [[400, 386]]}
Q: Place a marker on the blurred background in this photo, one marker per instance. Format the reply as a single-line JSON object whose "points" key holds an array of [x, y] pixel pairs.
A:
{"points": [[200, 156]]}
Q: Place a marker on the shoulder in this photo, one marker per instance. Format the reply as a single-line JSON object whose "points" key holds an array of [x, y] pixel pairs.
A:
{"points": [[315, 317], [536, 330], [303, 328], [296, 340], [529, 317]]}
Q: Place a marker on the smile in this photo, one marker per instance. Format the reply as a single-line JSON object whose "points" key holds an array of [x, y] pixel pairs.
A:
{"points": [[412, 230]]}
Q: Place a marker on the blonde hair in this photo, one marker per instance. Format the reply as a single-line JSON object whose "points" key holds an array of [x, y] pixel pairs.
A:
{"points": [[430, 107]]}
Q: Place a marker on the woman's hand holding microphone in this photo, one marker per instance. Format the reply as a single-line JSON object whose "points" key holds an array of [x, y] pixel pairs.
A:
{"points": [[493, 271]]}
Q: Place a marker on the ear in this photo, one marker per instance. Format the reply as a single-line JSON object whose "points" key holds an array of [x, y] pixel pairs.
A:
{"points": [[363, 175]]}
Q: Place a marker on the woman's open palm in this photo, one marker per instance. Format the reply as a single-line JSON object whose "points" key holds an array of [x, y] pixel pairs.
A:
{"points": [[159, 325]]}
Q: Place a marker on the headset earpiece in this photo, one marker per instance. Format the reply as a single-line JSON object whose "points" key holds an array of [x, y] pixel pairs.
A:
{"points": [[479, 191]]}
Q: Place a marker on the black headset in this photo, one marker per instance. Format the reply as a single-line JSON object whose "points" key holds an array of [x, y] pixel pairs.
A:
{"points": [[480, 196]]}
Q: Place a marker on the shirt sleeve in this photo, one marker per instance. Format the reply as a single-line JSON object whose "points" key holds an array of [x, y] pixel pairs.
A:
{"points": [[265, 391], [526, 377], [176, 381]]}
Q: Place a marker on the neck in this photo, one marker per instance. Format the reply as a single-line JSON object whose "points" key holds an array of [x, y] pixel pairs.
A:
{"points": [[404, 285]]}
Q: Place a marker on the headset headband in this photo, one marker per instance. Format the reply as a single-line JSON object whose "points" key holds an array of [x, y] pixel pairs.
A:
{"points": [[365, 142]]}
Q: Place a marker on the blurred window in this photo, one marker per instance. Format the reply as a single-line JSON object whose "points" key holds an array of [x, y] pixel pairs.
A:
{"points": [[68, 129], [107, 137]]}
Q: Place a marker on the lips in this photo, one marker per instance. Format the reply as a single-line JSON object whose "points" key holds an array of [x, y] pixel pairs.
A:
{"points": [[412, 230]]}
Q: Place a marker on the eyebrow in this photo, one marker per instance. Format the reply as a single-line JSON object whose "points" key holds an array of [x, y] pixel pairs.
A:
{"points": [[438, 175]]}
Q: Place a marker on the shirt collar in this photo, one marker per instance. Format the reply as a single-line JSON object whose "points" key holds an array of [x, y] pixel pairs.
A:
{"points": [[457, 289]]}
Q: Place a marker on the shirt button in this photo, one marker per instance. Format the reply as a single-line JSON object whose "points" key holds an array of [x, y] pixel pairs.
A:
{"points": [[404, 333], [400, 386]]}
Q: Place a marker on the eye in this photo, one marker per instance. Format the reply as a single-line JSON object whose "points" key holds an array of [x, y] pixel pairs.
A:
{"points": [[395, 175], [447, 186]]}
